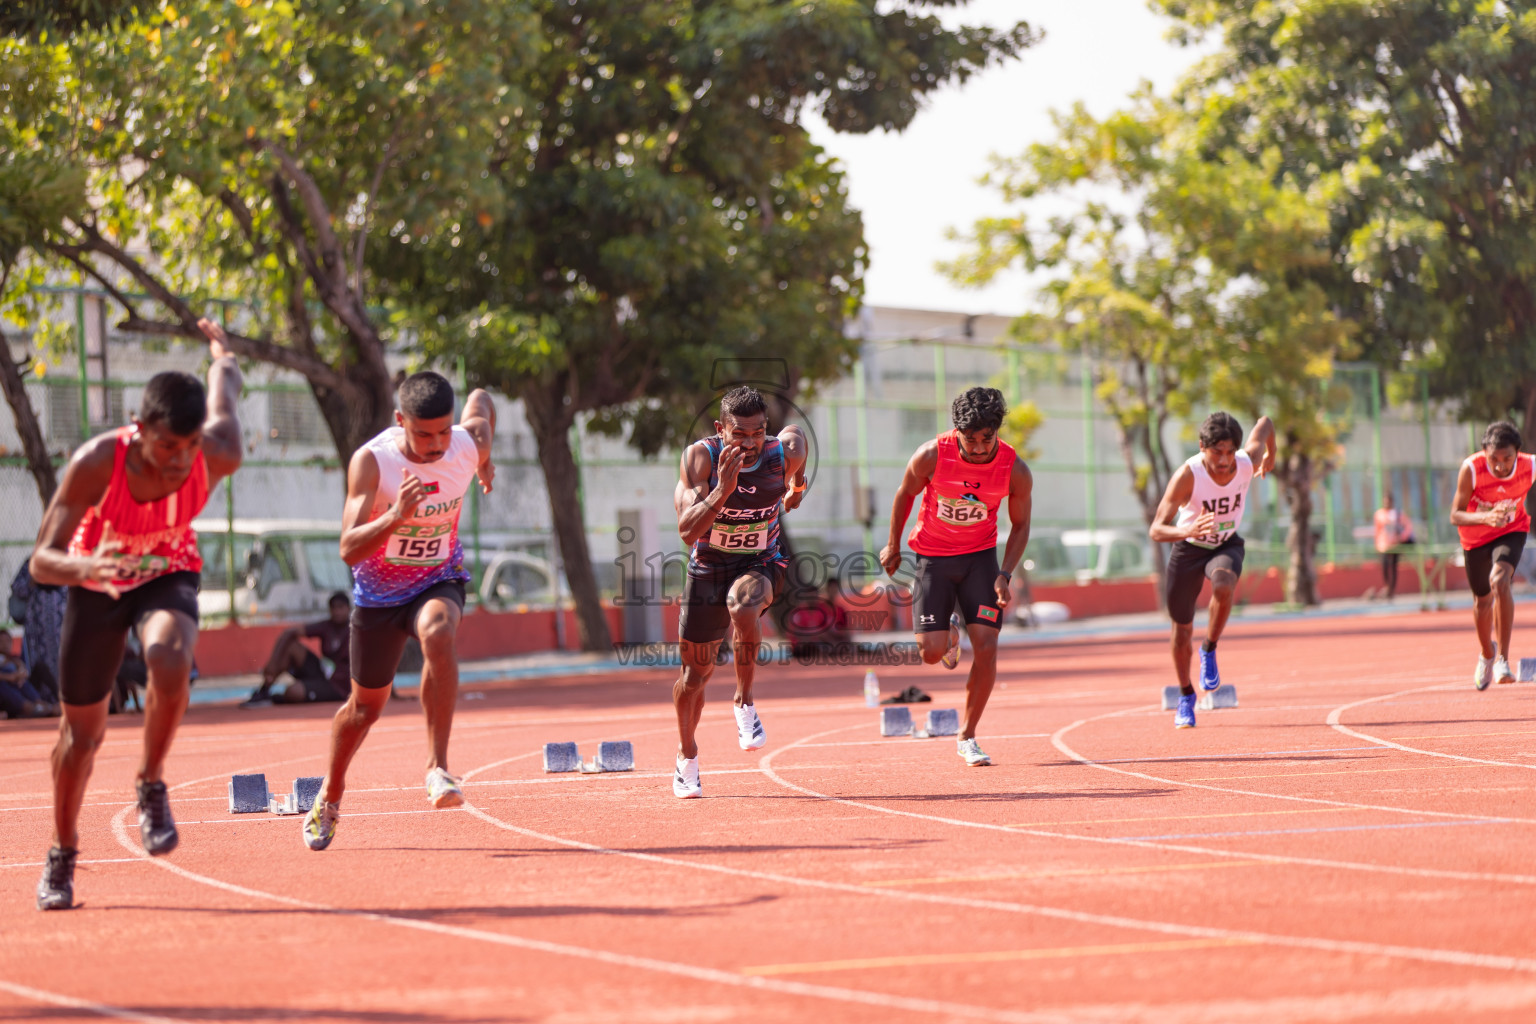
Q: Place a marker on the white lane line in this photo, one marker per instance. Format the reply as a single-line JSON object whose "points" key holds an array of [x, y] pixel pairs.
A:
{"points": [[1337, 714], [706, 974], [105, 860], [38, 995], [1458, 957]]}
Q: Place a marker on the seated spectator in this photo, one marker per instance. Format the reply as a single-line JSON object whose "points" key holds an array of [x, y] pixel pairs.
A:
{"points": [[817, 622], [39, 610], [18, 697], [311, 681]]}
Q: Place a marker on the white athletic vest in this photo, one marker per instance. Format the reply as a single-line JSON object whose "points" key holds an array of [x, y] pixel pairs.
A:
{"points": [[424, 550], [1226, 502]]}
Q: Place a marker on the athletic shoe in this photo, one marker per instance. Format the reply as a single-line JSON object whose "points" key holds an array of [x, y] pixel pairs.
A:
{"points": [[1210, 678], [56, 889], [443, 790], [320, 824], [952, 656], [1501, 672], [971, 751], [685, 781], [749, 728], [1484, 674], [157, 830], [1184, 717]]}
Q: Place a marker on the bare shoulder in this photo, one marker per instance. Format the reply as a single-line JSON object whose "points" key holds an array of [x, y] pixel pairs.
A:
{"points": [[926, 458], [362, 471], [1021, 473], [696, 461]]}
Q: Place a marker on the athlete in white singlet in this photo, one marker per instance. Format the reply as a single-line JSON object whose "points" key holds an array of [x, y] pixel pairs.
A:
{"points": [[1200, 515], [400, 533]]}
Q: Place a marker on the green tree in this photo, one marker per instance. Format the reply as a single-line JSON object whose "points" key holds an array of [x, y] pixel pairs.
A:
{"points": [[1202, 291], [273, 150], [670, 212], [1414, 119]]}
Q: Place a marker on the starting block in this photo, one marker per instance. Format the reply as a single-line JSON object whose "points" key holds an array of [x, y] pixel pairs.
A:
{"points": [[1526, 672], [1224, 697], [896, 721], [941, 722], [282, 803], [247, 794], [612, 756], [305, 792], [561, 757]]}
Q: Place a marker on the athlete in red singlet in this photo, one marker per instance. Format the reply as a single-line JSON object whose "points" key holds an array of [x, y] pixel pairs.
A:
{"points": [[1489, 513], [118, 533], [963, 477]]}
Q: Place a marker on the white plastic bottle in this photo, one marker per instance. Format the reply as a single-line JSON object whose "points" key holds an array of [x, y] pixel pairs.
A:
{"points": [[871, 689]]}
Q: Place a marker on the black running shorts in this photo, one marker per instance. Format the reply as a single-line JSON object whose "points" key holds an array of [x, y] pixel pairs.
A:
{"points": [[379, 634], [1506, 549], [705, 618], [96, 629], [1189, 566], [945, 581]]}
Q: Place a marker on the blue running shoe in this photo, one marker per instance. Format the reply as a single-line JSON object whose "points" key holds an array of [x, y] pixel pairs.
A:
{"points": [[1184, 718], [1210, 678]]}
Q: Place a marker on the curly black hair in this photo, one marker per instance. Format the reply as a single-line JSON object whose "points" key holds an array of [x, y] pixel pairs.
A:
{"points": [[1219, 427], [978, 409], [1501, 435]]}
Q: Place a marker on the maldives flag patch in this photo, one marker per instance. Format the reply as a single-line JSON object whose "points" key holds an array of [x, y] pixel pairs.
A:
{"points": [[990, 614], [430, 488]]}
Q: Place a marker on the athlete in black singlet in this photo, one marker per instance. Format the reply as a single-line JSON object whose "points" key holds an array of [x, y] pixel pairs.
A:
{"points": [[731, 490]]}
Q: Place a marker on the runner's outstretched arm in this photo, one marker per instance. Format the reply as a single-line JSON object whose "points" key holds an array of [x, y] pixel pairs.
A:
{"points": [[920, 469], [480, 420], [360, 536], [795, 448], [1460, 514], [1021, 487], [697, 505], [85, 482], [223, 445], [1180, 489], [1261, 446]]}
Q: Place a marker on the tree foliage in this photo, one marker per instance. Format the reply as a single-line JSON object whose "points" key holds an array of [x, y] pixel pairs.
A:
{"points": [[1203, 291]]}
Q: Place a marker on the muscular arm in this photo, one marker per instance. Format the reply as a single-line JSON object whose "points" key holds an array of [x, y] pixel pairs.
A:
{"points": [[1180, 489], [1460, 514], [1021, 486], [920, 470], [223, 445], [1261, 446], [479, 419], [693, 497], [85, 482], [795, 449], [361, 537]]}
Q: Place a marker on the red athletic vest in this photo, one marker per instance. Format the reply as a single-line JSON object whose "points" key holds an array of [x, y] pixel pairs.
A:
{"points": [[1489, 491], [959, 513], [159, 532]]}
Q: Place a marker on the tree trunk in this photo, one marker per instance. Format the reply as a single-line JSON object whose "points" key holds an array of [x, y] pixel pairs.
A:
{"points": [[358, 413], [39, 462], [551, 425], [1301, 574]]}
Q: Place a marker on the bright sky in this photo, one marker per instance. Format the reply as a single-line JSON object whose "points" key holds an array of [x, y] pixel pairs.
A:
{"points": [[913, 186]]}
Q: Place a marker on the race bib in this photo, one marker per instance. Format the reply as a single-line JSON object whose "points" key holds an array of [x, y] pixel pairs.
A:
{"points": [[961, 511], [420, 545], [138, 568], [740, 538]]}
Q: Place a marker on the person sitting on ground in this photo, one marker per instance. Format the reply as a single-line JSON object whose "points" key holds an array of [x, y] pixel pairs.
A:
{"points": [[18, 697], [311, 682], [817, 622]]}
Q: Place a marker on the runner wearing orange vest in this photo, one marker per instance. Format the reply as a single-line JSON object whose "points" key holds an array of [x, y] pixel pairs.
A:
{"points": [[963, 476], [1489, 513]]}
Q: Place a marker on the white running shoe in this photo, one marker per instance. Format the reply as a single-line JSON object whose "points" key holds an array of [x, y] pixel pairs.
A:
{"points": [[1484, 674], [972, 752], [1501, 672], [320, 824], [443, 790], [685, 781], [952, 656], [749, 728]]}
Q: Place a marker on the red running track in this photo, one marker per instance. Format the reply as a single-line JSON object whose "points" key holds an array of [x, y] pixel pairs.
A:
{"points": [[1348, 845]]}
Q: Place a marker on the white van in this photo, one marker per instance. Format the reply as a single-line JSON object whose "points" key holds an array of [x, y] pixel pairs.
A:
{"points": [[283, 568]]}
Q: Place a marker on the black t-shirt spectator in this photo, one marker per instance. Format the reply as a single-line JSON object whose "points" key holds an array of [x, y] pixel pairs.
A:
{"points": [[335, 645]]}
